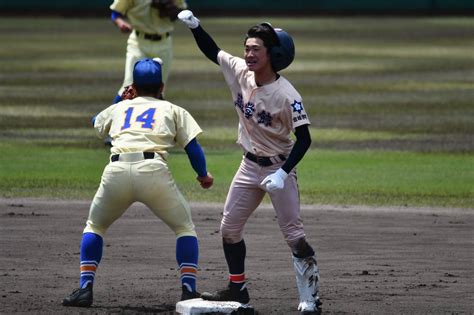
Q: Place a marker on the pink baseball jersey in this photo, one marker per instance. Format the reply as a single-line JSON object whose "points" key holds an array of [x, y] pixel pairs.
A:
{"points": [[267, 114]]}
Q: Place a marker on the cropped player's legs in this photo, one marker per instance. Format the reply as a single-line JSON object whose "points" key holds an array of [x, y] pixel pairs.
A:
{"points": [[91, 254], [155, 187], [243, 198], [111, 200], [287, 206], [134, 53], [162, 49], [286, 203]]}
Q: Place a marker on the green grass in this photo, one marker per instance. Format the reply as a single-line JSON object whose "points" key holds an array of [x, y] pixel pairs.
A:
{"points": [[378, 177], [32, 171], [325, 177], [390, 102]]}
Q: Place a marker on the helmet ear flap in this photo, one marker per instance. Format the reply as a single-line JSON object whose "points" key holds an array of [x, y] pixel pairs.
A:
{"points": [[283, 54], [278, 57]]}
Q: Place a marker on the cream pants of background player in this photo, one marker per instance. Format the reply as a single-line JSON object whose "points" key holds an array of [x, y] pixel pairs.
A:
{"points": [[139, 48], [146, 181]]}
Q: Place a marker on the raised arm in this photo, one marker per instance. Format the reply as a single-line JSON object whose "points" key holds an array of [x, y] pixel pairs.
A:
{"points": [[204, 41]]}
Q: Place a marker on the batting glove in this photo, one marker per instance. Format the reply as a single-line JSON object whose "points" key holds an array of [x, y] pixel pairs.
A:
{"points": [[188, 18], [275, 181]]}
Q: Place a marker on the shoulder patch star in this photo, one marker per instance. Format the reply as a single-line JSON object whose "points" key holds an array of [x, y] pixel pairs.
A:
{"points": [[297, 106]]}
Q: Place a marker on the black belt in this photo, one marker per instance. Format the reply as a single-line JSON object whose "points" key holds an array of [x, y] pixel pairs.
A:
{"points": [[153, 37], [264, 160], [146, 156]]}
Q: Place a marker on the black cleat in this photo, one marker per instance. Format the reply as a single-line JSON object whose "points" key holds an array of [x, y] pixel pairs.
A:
{"points": [[232, 293], [318, 311], [80, 297], [188, 295]]}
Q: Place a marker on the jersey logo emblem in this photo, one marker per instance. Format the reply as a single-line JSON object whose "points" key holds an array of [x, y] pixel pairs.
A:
{"points": [[297, 106], [249, 109], [246, 109], [264, 118], [239, 102]]}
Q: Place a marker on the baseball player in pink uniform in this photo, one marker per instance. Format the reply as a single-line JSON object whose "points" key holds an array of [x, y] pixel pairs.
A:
{"points": [[143, 130], [269, 110]]}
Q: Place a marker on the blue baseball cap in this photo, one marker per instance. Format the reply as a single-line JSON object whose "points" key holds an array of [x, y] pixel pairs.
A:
{"points": [[147, 72]]}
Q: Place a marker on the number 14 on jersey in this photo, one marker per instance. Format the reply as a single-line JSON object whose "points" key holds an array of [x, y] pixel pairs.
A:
{"points": [[147, 118]]}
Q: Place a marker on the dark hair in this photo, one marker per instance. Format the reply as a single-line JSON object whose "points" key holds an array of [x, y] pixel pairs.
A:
{"points": [[148, 89], [265, 33]]}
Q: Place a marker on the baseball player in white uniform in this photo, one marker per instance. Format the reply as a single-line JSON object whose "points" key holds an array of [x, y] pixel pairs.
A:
{"points": [[269, 110], [150, 24], [143, 130]]}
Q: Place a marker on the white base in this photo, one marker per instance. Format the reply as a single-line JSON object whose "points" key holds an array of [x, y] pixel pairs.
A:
{"points": [[200, 306]]}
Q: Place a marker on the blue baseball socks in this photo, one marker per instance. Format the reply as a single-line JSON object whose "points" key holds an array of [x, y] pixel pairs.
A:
{"points": [[91, 254], [187, 255]]}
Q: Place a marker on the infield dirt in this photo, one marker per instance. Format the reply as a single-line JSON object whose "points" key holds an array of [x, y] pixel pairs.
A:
{"points": [[372, 260]]}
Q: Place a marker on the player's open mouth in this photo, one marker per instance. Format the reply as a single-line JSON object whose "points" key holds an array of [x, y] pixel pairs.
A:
{"points": [[251, 63]]}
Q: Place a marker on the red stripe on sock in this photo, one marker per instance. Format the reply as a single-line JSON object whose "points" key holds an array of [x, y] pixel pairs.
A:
{"points": [[188, 270], [237, 278], [88, 268]]}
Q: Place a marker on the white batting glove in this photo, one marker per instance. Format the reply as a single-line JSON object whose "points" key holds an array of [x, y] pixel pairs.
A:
{"points": [[275, 181], [188, 18]]}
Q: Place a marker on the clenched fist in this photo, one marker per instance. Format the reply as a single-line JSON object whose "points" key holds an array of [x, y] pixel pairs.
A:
{"points": [[206, 181]]}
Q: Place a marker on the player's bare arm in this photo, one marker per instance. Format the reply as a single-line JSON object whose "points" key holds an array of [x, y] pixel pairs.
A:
{"points": [[119, 21]]}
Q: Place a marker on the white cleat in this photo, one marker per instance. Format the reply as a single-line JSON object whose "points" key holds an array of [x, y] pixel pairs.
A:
{"points": [[310, 307], [307, 281]]}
